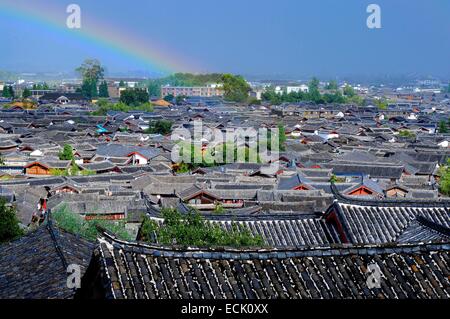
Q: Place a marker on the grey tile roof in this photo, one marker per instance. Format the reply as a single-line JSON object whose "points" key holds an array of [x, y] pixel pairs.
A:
{"points": [[146, 272], [32, 268]]}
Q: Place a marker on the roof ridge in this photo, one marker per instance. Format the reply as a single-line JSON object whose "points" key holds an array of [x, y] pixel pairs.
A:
{"points": [[261, 252]]}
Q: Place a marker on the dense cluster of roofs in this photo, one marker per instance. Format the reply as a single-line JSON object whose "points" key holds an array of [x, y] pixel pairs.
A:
{"points": [[351, 192]]}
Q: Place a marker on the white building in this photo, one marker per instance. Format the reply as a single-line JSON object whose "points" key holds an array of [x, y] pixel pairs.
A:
{"points": [[302, 88]]}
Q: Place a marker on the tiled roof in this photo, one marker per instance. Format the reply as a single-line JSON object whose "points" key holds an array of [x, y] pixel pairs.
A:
{"points": [[134, 271], [31, 267]]}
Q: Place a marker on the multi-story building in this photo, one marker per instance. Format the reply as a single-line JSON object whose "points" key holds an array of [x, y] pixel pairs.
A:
{"points": [[206, 91]]}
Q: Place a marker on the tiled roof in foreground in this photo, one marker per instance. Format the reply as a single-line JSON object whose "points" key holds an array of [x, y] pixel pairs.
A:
{"points": [[131, 270], [35, 265]]}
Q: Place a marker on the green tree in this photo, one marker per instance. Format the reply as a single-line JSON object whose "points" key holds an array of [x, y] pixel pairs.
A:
{"points": [[443, 128], [235, 88], [6, 92], [282, 136], [444, 181], [332, 85], [162, 127], [349, 91], [381, 104], [134, 96], [67, 153], [407, 134], [26, 93], [91, 71], [11, 92], [9, 223], [179, 99], [103, 90], [121, 84], [313, 85], [192, 229], [169, 98], [154, 89]]}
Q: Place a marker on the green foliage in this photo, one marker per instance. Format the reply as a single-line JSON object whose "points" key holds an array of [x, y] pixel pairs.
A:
{"points": [[134, 96], [87, 172], [91, 71], [169, 98], [313, 85], [281, 136], [67, 153], [8, 92], [218, 208], [89, 89], [104, 106], [88, 229], [179, 99], [382, 104], [192, 230], [121, 84], [235, 88], [103, 90], [443, 128], [5, 92], [332, 85], [444, 181], [9, 223], [407, 134], [349, 91], [162, 127], [41, 86], [154, 89], [26, 93], [253, 101], [313, 96]]}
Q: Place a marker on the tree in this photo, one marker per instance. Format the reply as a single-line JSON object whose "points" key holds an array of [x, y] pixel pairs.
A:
{"points": [[169, 98], [235, 88], [180, 99], [443, 129], [332, 85], [103, 90], [91, 72], [91, 69], [162, 127], [192, 229], [67, 153], [281, 136], [134, 97], [121, 84], [11, 91], [5, 92], [26, 93], [154, 89], [9, 223], [314, 84], [349, 91], [89, 89], [444, 181]]}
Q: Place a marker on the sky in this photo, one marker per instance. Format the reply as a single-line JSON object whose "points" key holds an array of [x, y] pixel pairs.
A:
{"points": [[285, 38]]}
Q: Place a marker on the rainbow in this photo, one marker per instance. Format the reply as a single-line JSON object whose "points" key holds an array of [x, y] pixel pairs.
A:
{"points": [[99, 34]]}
